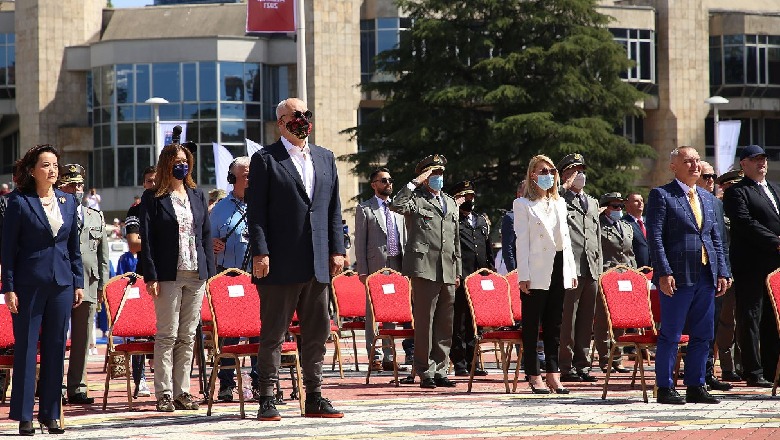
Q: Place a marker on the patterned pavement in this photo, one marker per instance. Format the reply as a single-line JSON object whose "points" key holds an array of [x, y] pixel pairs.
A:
{"points": [[381, 410]]}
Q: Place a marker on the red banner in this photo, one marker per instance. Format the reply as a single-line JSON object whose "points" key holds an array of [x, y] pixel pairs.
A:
{"points": [[265, 16]]}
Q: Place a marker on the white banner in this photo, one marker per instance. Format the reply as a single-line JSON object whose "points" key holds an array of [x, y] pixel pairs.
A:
{"points": [[165, 134], [222, 160], [252, 147], [728, 136]]}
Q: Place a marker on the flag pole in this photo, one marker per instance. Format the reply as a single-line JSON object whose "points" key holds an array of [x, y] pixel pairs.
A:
{"points": [[301, 51]]}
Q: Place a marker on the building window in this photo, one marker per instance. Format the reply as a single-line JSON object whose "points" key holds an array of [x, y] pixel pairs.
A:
{"points": [[745, 60], [376, 36], [7, 66], [633, 129], [9, 153], [640, 48]]}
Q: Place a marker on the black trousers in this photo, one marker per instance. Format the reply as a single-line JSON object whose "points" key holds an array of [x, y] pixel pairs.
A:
{"points": [[545, 308], [463, 337], [756, 326]]}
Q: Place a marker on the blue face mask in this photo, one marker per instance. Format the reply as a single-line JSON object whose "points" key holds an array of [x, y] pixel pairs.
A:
{"points": [[545, 181], [616, 215], [180, 170], [436, 182]]}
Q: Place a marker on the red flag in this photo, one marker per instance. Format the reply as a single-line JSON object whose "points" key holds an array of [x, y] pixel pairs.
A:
{"points": [[266, 16]]}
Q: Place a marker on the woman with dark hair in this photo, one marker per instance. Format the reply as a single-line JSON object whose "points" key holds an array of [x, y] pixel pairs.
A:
{"points": [[42, 281], [178, 258], [545, 269]]}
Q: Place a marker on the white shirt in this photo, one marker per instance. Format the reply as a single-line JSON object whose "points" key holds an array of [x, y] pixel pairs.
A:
{"points": [[302, 160], [769, 194]]}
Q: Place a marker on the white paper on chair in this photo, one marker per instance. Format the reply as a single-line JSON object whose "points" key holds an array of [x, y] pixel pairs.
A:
{"points": [[2, 299], [488, 285], [235, 291], [133, 293], [388, 289], [625, 286]]}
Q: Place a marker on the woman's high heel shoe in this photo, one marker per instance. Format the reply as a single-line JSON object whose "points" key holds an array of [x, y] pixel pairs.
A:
{"points": [[52, 426], [538, 390], [557, 390], [26, 429]]}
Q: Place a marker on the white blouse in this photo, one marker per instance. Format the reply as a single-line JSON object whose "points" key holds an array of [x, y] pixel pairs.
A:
{"points": [[54, 214], [188, 252]]}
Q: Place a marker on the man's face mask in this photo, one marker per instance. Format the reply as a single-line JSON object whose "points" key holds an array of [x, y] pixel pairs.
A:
{"points": [[300, 124]]}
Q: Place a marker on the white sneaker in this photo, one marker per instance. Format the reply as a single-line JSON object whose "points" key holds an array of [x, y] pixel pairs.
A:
{"points": [[143, 389]]}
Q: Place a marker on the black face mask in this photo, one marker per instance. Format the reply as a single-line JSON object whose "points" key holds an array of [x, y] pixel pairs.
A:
{"points": [[299, 127], [467, 206]]}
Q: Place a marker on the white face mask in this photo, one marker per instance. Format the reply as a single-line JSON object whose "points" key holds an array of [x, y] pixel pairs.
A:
{"points": [[579, 180]]}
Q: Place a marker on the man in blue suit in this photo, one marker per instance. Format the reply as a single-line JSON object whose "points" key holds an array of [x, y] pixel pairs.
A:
{"points": [[297, 242], [690, 270]]}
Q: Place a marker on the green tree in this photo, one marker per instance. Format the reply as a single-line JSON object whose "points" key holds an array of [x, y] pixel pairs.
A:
{"points": [[491, 83]]}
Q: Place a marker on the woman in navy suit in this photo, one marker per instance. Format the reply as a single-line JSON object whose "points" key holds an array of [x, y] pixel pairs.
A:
{"points": [[178, 258], [42, 281]]}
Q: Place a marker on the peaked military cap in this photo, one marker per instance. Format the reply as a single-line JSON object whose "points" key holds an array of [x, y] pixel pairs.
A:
{"points": [[732, 176], [462, 188], [570, 160], [434, 161], [609, 197], [71, 173]]}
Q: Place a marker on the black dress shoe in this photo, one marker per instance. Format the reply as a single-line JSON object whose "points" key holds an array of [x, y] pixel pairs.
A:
{"points": [[26, 429], [669, 396], [617, 369], [715, 384], [322, 408], [586, 377], [81, 399], [759, 382], [571, 376], [730, 376], [408, 380], [388, 366], [428, 382], [52, 426], [444, 382], [467, 373], [699, 394]]}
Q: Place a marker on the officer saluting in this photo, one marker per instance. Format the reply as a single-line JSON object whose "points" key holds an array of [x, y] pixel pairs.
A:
{"points": [[476, 253], [94, 257]]}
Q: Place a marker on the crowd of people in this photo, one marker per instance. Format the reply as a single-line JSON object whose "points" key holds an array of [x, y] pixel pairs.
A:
{"points": [[557, 236]]}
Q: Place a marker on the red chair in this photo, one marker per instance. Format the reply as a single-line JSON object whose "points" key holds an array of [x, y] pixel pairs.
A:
{"points": [[350, 301], [235, 305], [491, 307], [130, 311], [517, 316], [773, 287], [390, 296], [626, 295]]}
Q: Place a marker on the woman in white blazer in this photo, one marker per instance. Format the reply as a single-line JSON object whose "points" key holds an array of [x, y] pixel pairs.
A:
{"points": [[545, 268]]}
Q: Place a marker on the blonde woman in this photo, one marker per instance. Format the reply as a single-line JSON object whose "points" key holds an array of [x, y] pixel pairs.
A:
{"points": [[545, 268]]}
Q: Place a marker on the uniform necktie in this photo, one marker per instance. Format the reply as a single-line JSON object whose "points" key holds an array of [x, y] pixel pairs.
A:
{"points": [[80, 220], [642, 226], [442, 205], [693, 200], [392, 237], [583, 202]]}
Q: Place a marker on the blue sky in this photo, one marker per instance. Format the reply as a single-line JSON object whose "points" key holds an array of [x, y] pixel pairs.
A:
{"points": [[131, 3]]}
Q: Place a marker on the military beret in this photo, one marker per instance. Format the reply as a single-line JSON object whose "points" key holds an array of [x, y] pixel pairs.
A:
{"points": [[608, 197], [570, 160], [434, 161], [71, 173], [732, 176], [462, 188]]}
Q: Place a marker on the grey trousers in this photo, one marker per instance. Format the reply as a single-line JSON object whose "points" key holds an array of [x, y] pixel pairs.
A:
{"points": [[81, 319], [277, 304], [577, 325], [433, 315], [386, 352], [177, 308], [724, 335]]}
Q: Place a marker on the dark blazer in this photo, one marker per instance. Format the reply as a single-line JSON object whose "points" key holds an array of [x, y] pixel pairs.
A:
{"points": [[508, 239], [641, 250], [30, 255], [160, 236], [299, 235], [475, 249], [676, 241], [755, 226]]}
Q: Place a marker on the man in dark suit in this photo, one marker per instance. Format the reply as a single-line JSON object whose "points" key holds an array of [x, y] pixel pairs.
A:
{"points": [[476, 253], [508, 236], [297, 243], [752, 207], [635, 206], [689, 268]]}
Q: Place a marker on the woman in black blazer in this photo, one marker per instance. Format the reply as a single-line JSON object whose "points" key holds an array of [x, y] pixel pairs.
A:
{"points": [[42, 281], [178, 258]]}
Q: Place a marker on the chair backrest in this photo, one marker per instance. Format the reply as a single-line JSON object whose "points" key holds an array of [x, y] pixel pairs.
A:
{"points": [[514, 296], [626, 297], [113, 291], [6, 325], [350, 295], [205, 310], [488, 295], [136, 316], [655, 301], [773, 286], [390, 294], [235, 304]]}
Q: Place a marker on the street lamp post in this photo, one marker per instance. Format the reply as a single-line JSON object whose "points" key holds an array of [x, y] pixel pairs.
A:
{"points": [[158, 140], [714, 101]]}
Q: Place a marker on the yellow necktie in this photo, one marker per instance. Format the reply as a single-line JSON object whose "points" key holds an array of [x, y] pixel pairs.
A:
{"points": [[693, 200]]}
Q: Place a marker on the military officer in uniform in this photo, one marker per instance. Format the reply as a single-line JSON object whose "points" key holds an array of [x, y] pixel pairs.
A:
{"points": [[579, 304], [617, 246], [432, 261], [94, 257], [476, 253]]}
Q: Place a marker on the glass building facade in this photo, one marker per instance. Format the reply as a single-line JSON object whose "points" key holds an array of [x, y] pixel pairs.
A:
{"points": [[7, 66], [222, 102]]}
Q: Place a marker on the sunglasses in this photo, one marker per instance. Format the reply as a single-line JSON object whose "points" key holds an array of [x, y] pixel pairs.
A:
{"points": [[617, 205], [299, 114], [384, 180], [545, 171], [709, 176]]}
